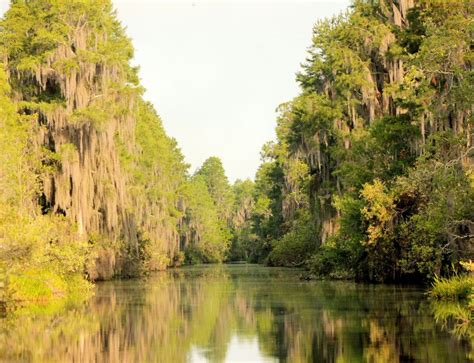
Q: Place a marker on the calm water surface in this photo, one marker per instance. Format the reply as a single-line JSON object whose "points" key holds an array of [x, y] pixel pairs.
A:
{"points": [[236, 313]]}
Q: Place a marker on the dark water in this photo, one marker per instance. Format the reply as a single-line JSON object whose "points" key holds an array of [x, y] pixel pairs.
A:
{"points": [[236, 313]]}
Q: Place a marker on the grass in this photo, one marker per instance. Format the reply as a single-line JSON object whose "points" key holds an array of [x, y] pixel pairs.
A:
{"points": [[453, 303], [40, 292], [36, 285], [458, 287]]}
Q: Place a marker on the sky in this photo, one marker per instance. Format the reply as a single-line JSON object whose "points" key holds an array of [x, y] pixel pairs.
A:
{"points": [[216, 70]]}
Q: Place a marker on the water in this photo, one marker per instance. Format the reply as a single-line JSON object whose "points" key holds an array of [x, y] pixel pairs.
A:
{"points": [[239, 313]]}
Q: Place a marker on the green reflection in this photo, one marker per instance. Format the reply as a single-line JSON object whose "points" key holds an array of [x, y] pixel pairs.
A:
{"points": [[170, 315], [456, 317]]}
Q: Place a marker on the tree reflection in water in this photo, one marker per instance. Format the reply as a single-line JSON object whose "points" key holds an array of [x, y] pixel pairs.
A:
{"points": [[213, 311]]}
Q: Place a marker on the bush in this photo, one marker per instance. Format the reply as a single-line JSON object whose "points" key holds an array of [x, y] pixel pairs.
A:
{"points": [[330, 262], [41, 285], [295, 247], [289, 251], [43, 256]]}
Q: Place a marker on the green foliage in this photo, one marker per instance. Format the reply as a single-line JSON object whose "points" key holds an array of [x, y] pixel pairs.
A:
{"points": [[266, 219], [382, 151], [219, 221], [330, 261], [243, 237], [341, 255], [96, 116], [158, 174], [296, 246], [206, 237], [219, 188], [32, 32]]}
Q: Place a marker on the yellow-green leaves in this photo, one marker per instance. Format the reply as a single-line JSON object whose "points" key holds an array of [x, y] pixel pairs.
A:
{"points": [[379, 210]]}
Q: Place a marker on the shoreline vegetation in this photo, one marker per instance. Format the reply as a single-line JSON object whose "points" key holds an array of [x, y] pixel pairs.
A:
{"points": [[371, 177], [453, 301]]}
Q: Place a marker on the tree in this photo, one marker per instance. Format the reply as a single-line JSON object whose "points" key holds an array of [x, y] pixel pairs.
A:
{"points": [[218, 185], [205, 238], [243, 237]]}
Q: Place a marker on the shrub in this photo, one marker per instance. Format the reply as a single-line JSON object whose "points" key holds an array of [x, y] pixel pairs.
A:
{"points": [[332, 262], [295, 247]]}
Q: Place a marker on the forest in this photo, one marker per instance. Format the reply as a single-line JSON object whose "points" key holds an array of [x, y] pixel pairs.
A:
{"points": [[371, 177]]}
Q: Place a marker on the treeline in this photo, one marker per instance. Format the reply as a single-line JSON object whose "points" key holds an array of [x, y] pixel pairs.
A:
{"points": [[372, 173], [91, 186]]}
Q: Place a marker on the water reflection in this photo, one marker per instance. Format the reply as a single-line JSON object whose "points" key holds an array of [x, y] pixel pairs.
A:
{"points": [[236, 313]]}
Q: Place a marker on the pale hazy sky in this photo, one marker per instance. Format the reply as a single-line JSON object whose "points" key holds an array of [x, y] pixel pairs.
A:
{"points": [[217, 70]]}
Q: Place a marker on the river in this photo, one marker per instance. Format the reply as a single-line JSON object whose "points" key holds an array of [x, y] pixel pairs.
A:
{"points": [[235, 313]]}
